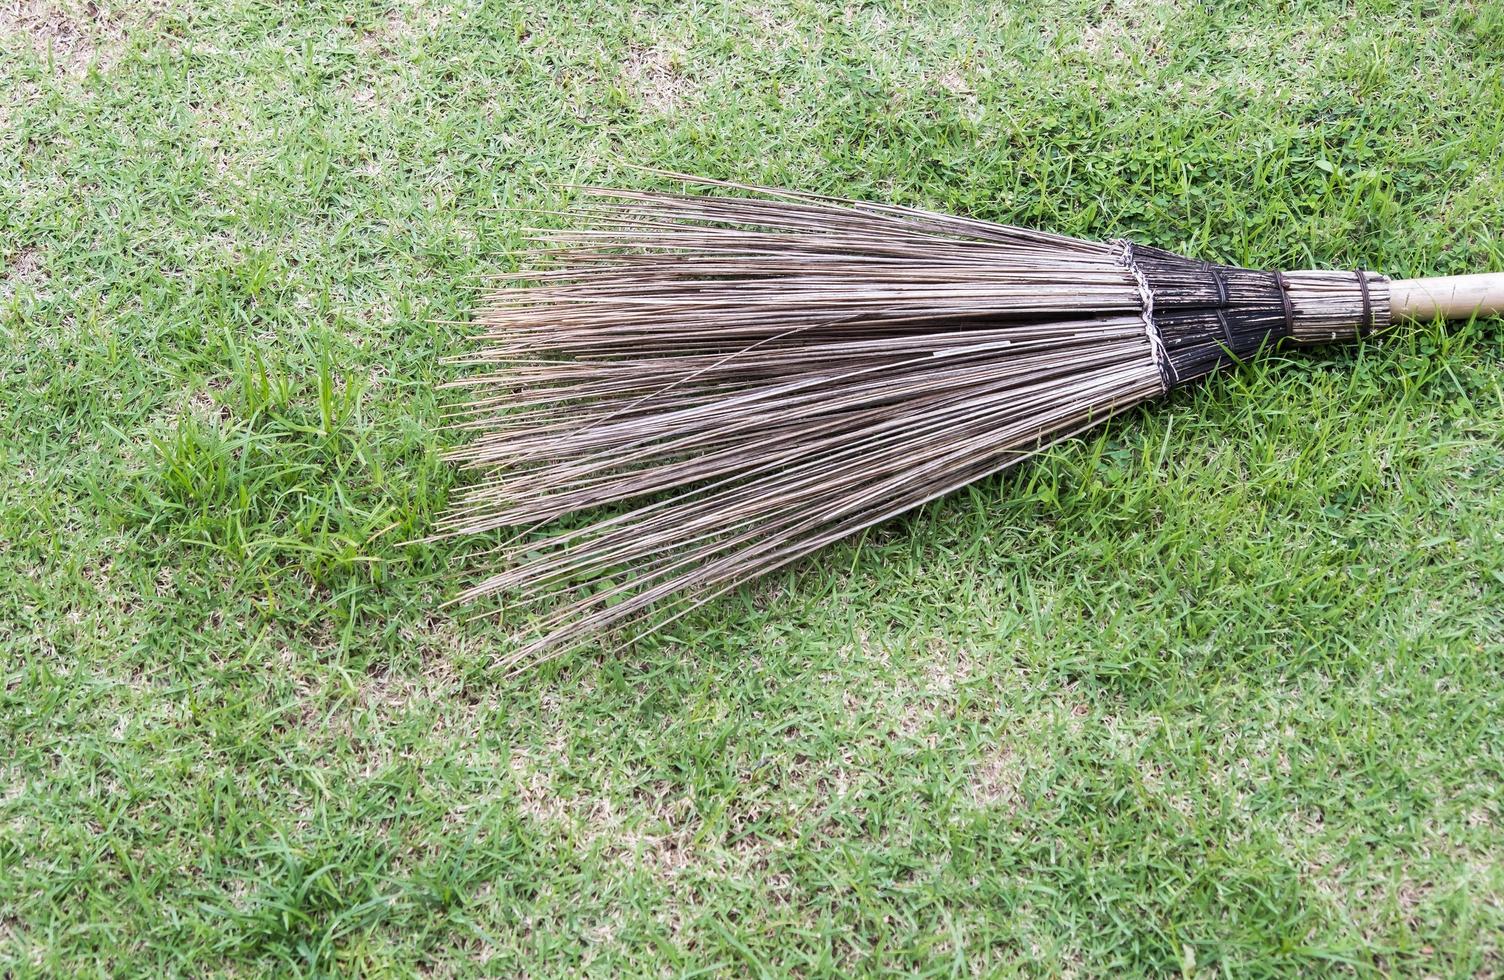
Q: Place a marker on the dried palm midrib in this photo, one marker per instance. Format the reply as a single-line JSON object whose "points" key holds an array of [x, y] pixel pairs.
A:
{"points": [[1025, 357], [775, 362], [703, 429], [630, 271], [690, 339], [864, 459], [731, 341], [751, 296], [605, 478], [806, 212], [745, 411], [900, 302], [724, 384], [574, 621]]}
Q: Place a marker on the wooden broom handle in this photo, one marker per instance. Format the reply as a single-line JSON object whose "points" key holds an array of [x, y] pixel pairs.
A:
{"points": [[1451, 297]]}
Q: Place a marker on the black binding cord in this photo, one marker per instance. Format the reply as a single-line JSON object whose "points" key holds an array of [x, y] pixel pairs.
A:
{"points": [[1284, 298], [1367, 327], [1221, 284]]}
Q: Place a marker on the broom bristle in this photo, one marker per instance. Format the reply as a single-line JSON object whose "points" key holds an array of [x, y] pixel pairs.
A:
{"points": [[718, 386]]}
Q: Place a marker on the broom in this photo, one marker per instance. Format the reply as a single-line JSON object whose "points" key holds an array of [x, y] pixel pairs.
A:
{"points": [[699, 389]]}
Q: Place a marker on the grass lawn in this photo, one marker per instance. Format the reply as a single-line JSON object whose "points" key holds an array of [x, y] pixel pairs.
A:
{"points": [[1217, 689]]}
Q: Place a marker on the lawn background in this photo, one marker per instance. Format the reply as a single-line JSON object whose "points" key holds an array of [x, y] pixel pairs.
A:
{"points": [[1217, 688]]}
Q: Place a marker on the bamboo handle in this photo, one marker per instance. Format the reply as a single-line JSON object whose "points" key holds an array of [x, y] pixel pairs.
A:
{"points": [[1451, 297]]}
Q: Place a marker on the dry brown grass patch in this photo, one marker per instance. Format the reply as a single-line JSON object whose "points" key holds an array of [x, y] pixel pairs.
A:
{"points": [[654, 80], [24, 268], [73, 35]]}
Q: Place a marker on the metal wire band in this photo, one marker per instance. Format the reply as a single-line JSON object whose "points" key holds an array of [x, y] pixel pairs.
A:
{"points": [[1168, 377]]}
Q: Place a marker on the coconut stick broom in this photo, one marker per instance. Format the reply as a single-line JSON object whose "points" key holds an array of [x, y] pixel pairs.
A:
{"points": [[701, 388]]}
